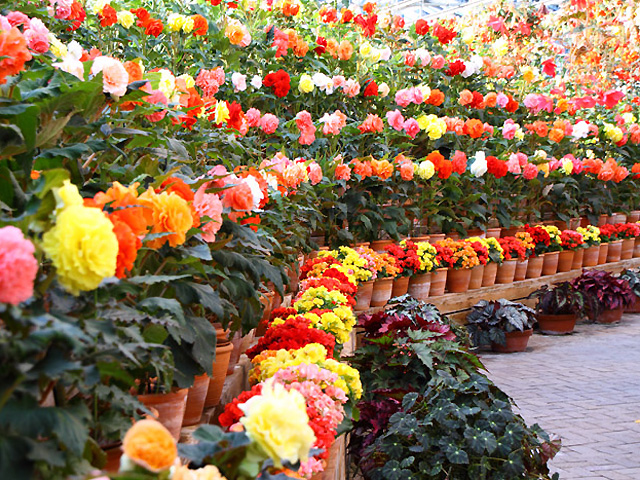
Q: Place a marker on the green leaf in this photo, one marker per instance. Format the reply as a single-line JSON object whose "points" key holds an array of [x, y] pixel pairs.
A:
{"points": [[208, 433], [456, 455], [153, 279], [155, 334]]}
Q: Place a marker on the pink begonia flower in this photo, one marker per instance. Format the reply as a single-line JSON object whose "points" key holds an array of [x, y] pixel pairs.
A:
{"points": [[403, 97], [437, 62], [18, 18], [253, 117], [334, 122], [411, 127], [4, 23], [611, 98], [306, 127], [522, 158], [278, 163], [338, 81], [351, 88], [406, 170], [269, 123], [37, 36], [530, 171], [513, 165], [509, 129], [488, 128], [424, 56], [315, 173], [395, 119], [18, 266], [578, 166], [554, 164], [239, 82], [210, 205], [63, 9], [502, 100], [156, 97], [417, 96], [409, 59], [114, 76]]}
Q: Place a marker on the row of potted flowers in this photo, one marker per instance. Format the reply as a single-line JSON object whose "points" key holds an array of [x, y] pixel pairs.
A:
{"points": [[429, 268]]}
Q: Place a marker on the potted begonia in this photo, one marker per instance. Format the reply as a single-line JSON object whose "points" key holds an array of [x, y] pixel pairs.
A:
{"points": [[628, 232], [463, 259], [504, 325], [558, 307], [514, 251], [522, 265], [605, 295], [632, 277], [477, 272], [496, 257], [571, 242], [443, 261], [387, 271], [541, 241], [407, 262], [420, 283], [591, 237], [552, 251]]}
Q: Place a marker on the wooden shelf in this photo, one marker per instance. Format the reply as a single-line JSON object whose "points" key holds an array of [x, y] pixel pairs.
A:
{"points": [[457, 305]]}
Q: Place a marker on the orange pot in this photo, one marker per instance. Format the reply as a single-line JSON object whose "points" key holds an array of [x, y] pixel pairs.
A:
{"points": [[378, 245], [170, 408], [489, 274], [423, 238], [550, 263], [604, 252], [438, 282], [627, 248], [610, 316], [400, 286], [615, 251], [534, 267], [195, 400], [515, 342], [521, 270], [458, 280], [436, 237], [220, 364], [578, 257], [381, 293], [565, 260], [602, 220], [419, 286], [494, 232], [506, 272], [511, 232], [591, 256], [636, 248], [363, 297], [477, 273], [634, 216]]}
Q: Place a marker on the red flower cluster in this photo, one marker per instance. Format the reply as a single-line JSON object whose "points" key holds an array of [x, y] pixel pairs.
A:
{"points": [[496, 167], [348, 289], [279, 82], [368, 24], [371, 90], [455, 68], [346, 286], [152, 26], [540, 237], [609, 233], [444, 34], [628, 230], [310, 264], [293, 334], [481, 250], [513, 248], [322, 45], [422, 27], [570, 239], [406, 258], [107, 16], [444, 255], [77, 15]]}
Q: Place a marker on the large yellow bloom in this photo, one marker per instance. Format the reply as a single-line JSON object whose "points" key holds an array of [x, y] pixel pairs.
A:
{"points": [[83, 248], [208, 472], [168, 213], [67, 196], [306, 84], [149, 444], [277, 421]]}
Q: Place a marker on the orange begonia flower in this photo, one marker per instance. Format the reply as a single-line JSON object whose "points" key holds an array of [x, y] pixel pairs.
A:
{"points": [[149, 444]]}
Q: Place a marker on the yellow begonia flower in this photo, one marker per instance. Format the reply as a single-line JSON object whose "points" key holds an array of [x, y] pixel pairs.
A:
{"points": [[221, 113], [425, 170], [306, 84], [567, 167], [125, 18], [365, 49], [82, 247], [277, 421], [188, 25], [66, 196], [56, 47], [175, 21], [188, 80]]}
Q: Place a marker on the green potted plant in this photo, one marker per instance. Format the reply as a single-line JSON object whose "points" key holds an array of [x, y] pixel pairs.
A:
{"points": [[558, 307], [504, 325], [605, 295]]}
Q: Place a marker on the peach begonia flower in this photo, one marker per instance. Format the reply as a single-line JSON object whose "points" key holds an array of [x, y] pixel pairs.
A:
{"points": [[269, 123], [114, 76], [13, 53], [150, 445], [333, 123], [167, 212], [345, 50], [381, 168]]}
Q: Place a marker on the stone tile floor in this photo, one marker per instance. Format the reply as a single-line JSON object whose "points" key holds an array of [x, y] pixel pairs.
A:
{"points": [[584, 387]]}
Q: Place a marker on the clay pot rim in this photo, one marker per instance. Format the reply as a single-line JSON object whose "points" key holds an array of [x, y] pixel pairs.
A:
{"points": [[175, 391]]}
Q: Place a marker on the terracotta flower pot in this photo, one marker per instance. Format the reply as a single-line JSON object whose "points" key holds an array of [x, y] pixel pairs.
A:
{"points": [[627, 248], [400, 286], [602, 220], [476, 232], [635, 306], [220, 364], [363, 296], [236, 341], [636, 248], [436, 237], [438, 282], [112, 462], [170, 407], [534, 268], [419, 286], [550, 263], [556, 324], [458, 280], [423, 238], [494, 232], [515, 342], [521, 270], [634, 216], [604, 252], [477, 273], [378, 245], [578, 257], [610, 316], [381, 294], [615, 251], [565, 260], [195, 400], [489, 274], [266, 299], [591, 256], [510, 232], [506, 272]]}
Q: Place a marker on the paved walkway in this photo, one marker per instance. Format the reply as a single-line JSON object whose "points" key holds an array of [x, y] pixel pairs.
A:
{"points": [[585, 388]]}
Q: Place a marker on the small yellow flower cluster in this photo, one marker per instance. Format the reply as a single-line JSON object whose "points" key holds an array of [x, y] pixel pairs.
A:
{"points": [[554, 234], [434, 126], [319, 297], [590, 234], [427, 256]]}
